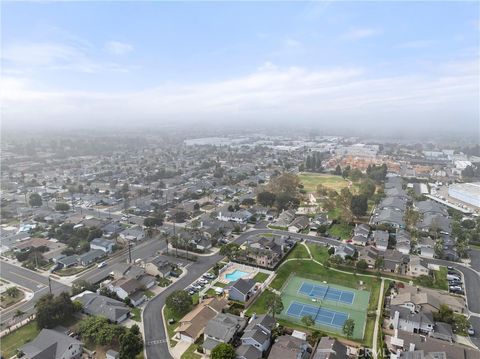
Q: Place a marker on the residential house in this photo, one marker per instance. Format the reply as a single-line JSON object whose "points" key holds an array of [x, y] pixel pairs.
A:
{"points": [[330, 348], [288, 347], [411, 321], [359, 240], [361, 230], [51, 344], [102, 244], [442, 331], [128, 287], [369, 255], [427, 252], [159, 266], [389, 217], [248, 352], [285, 218], [426, 299], [133, 234], [417, 267], [298, 224], [394, 261], [266, 252], [381, 240], [192, 325], [402, 241], [96, 304], [90, 257], [222, 329], [134, 271], [413, 346], [258, 332], [241, 216], [345, 250], [320, 219], [67, 261], [242, 290]]}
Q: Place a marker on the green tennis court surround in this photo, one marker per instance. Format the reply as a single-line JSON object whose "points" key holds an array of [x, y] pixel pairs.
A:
{"points": [[329, 305]]}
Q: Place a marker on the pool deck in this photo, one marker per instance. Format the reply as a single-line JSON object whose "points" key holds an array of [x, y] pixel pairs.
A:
{"points": [[232, 267]]}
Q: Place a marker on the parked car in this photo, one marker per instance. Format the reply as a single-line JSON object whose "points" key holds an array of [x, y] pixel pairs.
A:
{"points": [[203, 281], [450, 268], [455, 287], [196, 286], [209, 275], [101, 265], [471, 331]]}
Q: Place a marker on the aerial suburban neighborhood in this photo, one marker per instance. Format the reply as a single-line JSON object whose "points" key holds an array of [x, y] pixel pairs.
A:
{"points": [[248, 246], [239, 179]]}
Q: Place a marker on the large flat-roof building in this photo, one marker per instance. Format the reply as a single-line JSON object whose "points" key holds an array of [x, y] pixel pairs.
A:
{"points": [[466, 192]]}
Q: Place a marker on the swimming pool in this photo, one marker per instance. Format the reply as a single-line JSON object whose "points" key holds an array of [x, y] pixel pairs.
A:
{"points": [[236, 274]]}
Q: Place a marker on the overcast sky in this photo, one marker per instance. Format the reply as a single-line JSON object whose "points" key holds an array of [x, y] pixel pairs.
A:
{"points": [[375, 64]]}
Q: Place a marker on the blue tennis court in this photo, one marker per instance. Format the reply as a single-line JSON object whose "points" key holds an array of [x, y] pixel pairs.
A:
{"points": [[325, 292], [320, 315]]}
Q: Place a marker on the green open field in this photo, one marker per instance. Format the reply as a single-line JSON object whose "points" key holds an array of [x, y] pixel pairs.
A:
{"points": [[310, 181], [356, 311]]}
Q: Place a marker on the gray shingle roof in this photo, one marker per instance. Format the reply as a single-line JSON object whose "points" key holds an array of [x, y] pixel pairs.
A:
{"points": [[49, 344]]}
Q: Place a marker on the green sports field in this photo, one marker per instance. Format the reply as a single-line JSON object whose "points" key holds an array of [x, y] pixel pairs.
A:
{"points": [[354, 306]]}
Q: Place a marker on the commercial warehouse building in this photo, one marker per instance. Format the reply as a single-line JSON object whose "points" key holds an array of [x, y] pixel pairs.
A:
{"points": [[466, 192]]}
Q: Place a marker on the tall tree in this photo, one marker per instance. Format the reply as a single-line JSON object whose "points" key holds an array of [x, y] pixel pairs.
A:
{"points": [[35, 200], [348, 327], [274, 303], [223, 351], [179, 302]]}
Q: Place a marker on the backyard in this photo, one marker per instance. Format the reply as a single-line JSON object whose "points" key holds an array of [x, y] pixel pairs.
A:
{"points": [[17, 338]]}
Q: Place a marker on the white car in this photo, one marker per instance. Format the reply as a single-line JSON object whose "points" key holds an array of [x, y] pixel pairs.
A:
{"points": [[101, 265], [471, 331]]}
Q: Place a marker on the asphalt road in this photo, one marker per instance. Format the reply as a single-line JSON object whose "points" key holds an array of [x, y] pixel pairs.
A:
{"points": [[143, 250], [31, 280]]}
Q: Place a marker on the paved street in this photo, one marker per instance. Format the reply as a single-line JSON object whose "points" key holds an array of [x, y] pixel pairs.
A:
{"points": [[33, 281]]}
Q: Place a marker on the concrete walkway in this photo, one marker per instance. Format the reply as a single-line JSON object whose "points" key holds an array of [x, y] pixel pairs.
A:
{"points": [[377, 320]]}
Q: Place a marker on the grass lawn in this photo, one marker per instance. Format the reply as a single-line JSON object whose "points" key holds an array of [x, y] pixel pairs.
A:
{"points": [[219, 284], [195, 299], [342, 230], [190, 353], [6, 300], [70, 271], [334, 213], [438, 279], [14, 340], [261, 277], [149, 294], [319, 252], [299, 252], [136, 314], [168, 314], [310, 181], [259, 306], [266, 235]]}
